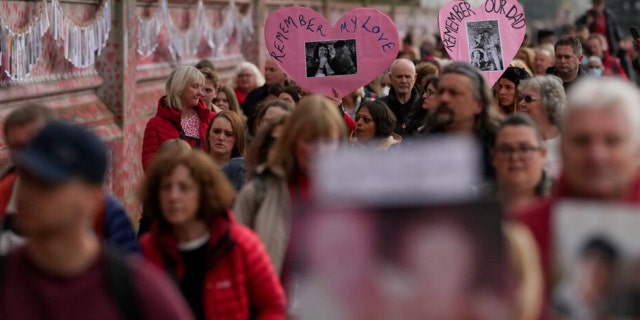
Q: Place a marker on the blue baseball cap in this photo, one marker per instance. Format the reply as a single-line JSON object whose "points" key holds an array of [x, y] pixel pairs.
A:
{"points": [[62, 151]]}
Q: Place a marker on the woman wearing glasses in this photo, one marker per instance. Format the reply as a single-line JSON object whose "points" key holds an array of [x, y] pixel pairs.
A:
{"points": [[429, 101], [543, 99], [518, 158], [247, 78]]}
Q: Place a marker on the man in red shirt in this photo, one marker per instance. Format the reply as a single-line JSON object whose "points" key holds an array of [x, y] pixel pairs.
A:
{"points": [[63, 271], [600, 145]]}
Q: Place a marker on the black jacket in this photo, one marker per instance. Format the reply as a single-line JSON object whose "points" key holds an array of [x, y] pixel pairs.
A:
{"points": [[400, 110]]}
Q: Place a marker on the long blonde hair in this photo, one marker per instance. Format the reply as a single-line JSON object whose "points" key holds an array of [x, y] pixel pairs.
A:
{"points": [[314, 117]]}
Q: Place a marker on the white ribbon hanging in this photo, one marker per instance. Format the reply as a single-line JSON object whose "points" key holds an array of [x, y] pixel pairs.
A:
{"points": [[81, 43], [149, 30], [20, 51], [185, 43], [217, 40]]}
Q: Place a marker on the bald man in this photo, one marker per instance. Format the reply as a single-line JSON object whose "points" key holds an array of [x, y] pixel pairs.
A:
{"points": [[402, 95]]}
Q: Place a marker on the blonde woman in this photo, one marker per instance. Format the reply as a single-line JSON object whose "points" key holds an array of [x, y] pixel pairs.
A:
{"points": [[182, 113]]}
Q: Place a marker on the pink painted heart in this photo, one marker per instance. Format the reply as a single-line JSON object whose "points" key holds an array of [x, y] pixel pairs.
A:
{"points": [[488, 36], [331, 60]]}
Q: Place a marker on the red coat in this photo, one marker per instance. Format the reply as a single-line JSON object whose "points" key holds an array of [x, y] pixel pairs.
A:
{"points": [[165, 126], [351, 125], [6, 189], [539, 220], [240, 282], [240, 96]]}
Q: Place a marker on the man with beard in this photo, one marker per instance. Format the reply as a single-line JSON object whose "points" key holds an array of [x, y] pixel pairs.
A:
{"points": [[568, 57], [466, 107], [402, 95]]}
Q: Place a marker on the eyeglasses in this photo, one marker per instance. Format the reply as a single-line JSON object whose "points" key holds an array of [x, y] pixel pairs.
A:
{"points": [[594, 67], [245, 75], [430, 92], [528, 99], [525, 150]]}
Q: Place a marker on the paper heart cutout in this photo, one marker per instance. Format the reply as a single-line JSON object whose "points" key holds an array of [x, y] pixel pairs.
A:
{"points": [[362, 45], [488, 36]]}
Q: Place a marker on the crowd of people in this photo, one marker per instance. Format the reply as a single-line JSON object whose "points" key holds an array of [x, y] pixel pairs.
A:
{"points": [[226, 170]]}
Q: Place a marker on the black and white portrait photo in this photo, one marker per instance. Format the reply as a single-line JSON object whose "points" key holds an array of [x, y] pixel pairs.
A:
{"points": [[485, 49], [331, 58]]}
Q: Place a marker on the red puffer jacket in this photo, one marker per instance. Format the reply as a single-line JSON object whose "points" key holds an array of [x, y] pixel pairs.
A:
{"points": [[165, 125], [240, 282]]}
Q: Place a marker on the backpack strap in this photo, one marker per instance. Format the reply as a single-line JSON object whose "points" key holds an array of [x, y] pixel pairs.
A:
{"points": [[120, 284], [3, 264]]}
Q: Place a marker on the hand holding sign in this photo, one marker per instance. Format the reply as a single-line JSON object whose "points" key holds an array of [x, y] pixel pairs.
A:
{"points": [[488, 36], [333, 61]]}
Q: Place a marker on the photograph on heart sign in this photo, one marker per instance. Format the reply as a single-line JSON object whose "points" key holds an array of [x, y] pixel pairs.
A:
{"points": [[485, 49], [331, 58]]}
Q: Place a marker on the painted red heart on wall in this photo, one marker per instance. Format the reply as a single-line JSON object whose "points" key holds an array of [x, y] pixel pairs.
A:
{"points": [[331, 60], [488, 36]]}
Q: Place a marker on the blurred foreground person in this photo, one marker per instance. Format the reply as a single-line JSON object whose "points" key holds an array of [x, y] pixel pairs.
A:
{"points": [[63, 272], [182, 113], [220, 266], [20, 126], [112, 222], [446, 262], [588, 293], [265, 203], [599, 147]]}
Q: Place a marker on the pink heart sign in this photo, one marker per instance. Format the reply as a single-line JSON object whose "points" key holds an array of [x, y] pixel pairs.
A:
{"points": [[488, 37], [331, 60]]}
